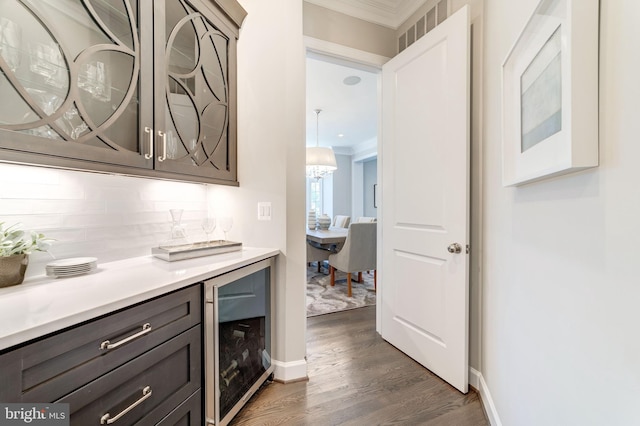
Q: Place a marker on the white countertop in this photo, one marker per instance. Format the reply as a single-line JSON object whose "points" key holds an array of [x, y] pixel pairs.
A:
{"points": [[42, 305]]}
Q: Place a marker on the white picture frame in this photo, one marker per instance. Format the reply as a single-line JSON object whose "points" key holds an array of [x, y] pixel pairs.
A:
{"points": [[550, 94]]}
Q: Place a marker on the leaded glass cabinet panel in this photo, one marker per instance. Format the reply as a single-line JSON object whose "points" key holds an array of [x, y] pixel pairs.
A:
{"points": [[196, 109], [70, 82], [127, 86]]}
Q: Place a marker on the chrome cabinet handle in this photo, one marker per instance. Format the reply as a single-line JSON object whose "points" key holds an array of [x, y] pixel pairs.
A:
{"points": [[108, 345], [107, 419], [149, 154], [163, 135], [454, 248]]}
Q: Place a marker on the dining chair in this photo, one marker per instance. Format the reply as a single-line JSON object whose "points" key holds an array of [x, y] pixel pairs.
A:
{"points": [[366, 219], [317, 253], [340, 221], [358, 254]]}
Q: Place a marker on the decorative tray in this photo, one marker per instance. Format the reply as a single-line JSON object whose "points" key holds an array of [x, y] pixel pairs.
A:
{"points": [[188, 251]]}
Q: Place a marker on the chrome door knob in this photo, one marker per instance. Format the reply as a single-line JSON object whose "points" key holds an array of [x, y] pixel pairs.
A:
{"points": [[454, 248]]}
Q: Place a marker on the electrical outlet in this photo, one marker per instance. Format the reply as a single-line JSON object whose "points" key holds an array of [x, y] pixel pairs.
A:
{"points": [[264, 211]]}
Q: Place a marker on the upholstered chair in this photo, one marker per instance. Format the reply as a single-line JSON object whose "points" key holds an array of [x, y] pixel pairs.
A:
{"points": [[341, 221], [358, 254], [317, 253], [365, 219]]}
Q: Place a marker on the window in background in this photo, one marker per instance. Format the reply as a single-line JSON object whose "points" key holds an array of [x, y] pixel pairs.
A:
{"points": [[314, 195]]}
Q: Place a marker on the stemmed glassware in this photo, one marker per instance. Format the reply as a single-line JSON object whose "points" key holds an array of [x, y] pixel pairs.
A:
{"points": [[76, 124], [208, 226], [10, 43], [46, 60], [226, 223], [95, 78]]}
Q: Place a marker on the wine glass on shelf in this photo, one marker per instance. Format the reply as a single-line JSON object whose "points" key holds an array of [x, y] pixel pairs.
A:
{"points": [[226, 223], [208, 226], [75, 122], [10, 43]]}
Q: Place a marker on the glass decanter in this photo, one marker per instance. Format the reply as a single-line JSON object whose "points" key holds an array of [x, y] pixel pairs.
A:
{"points": [[178, 230]]}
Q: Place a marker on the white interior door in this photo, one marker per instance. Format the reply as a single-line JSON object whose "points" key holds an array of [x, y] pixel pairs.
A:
{"points": [[425, 200]]}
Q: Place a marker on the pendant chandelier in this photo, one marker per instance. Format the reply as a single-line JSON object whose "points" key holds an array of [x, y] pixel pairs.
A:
{"points": [[321, 161]]}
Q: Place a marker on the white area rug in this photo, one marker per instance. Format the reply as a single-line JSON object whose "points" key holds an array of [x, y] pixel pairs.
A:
{"points": [[324, 299]]}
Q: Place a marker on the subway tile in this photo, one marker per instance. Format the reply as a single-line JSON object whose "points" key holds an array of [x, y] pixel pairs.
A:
{"points": [[41, 191], [34, 222], [109, 217], [119, 206], [173, 191], [66, 236], [92, 220], [18, 174], [67, 206], [15, 207], [111, 193]]}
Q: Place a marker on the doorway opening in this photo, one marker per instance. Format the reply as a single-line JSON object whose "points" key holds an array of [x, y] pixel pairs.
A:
{"points": [[347, 92]]}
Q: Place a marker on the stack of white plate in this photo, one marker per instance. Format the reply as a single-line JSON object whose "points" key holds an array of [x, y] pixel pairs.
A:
{"points": [[70, 267]]}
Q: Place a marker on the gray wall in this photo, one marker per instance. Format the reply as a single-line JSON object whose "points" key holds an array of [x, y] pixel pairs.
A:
{"points": [[325, 24], [370, 176], [342, 186], [560, 296]]}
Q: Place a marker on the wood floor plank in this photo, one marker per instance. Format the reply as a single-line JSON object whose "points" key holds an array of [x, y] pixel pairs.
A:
{"points": [[356, 378]]}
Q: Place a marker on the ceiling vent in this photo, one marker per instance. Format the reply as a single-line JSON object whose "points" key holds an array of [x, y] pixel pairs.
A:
{"points": [[424, 24]]}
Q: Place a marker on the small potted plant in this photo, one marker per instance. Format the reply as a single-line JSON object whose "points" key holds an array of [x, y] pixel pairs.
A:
{"points": [[15, 247]]}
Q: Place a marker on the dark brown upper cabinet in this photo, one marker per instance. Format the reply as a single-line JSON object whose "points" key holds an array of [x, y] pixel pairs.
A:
{"points": [[143, 87]]}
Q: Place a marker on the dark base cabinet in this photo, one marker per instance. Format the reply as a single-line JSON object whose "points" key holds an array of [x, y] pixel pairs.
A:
{"points": [[169, 373], [189, 413], [141, 365]]}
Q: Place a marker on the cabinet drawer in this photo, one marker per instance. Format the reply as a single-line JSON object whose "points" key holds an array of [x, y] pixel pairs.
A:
{"points": [[50, 368], [189, 413], [170, 372]]}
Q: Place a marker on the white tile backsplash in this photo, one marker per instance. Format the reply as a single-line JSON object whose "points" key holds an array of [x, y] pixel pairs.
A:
{"points": [[110, 217], [44, 190]]}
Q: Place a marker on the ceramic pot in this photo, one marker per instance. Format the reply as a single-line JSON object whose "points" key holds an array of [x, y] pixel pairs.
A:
{"points": [[311, 219], [12, 269], [324, 222]]}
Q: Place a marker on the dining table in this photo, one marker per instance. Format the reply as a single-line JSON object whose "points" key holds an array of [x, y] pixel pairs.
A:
{"points": [[329, 236]]}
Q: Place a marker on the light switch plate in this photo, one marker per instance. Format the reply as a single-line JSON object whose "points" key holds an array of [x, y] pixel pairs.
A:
{"points": [[264, 211]]}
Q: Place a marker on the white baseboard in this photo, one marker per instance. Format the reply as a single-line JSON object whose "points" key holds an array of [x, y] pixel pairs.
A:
{"points": [[291, 371], [477, 381], [474, 378]]}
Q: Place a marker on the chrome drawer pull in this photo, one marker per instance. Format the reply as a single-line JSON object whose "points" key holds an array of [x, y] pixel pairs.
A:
{"points": [[108, 345], [107, 420]]}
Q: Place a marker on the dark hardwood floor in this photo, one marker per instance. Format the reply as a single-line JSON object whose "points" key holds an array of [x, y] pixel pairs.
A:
{"points": [[356, 378]]}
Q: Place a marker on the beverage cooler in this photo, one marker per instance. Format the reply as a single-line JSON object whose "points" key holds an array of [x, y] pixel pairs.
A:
{"points": [[238, 338]]}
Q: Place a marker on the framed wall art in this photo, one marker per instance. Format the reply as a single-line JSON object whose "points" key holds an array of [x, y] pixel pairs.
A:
{"points": [[550, 94], [375, 189]]}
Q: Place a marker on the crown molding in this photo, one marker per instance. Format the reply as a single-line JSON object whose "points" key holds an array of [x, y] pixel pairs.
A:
{"points": [[388, 13]]}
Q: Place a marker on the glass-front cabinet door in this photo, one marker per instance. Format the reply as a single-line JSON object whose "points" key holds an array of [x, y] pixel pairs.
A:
{"points": [[70, 84], [139, 87], [194, 108]]}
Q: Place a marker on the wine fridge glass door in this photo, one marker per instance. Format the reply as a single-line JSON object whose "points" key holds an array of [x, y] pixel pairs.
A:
{"points": [[238, 338]]}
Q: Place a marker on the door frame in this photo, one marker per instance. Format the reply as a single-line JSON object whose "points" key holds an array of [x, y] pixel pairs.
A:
{"points": [[371, 62], [476, 269], [374, 62]]}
